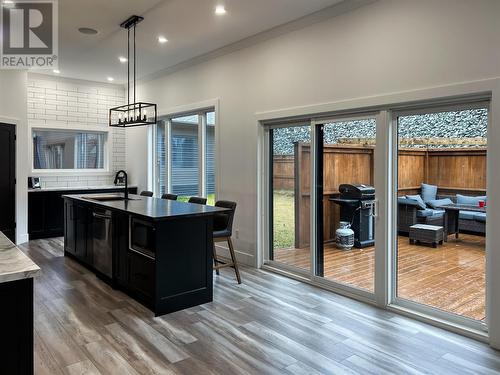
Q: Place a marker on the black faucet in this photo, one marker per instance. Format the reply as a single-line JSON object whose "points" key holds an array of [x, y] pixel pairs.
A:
{"points": [[122, 172]]}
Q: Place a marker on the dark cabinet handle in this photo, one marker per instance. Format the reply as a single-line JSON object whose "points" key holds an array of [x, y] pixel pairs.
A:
{"points": [[101, 216]]}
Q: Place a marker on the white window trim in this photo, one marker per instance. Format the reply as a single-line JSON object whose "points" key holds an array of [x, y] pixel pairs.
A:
{"points": [[108, 152], [179, 111]]}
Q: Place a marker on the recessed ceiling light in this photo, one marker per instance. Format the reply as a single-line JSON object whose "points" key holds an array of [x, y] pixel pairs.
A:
{"points": [[8, 2], [111, 79], [87, 31], [122, 59], [220, 10], [162, 39], [56, 71]]}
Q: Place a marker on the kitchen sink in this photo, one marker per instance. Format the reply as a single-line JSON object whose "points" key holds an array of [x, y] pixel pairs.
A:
{"points": [[108, 198]]}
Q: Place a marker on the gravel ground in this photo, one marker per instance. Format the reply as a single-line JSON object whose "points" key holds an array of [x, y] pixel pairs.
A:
{"points": [[449, 125]]}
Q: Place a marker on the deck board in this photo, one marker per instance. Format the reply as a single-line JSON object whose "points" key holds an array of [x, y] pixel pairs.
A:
{"points": [[450, 277]]}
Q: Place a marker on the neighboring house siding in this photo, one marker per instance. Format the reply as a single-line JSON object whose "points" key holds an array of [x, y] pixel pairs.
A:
{"points": [[184, 159]]}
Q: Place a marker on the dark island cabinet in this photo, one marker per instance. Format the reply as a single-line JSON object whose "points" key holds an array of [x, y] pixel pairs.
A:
{"points": [[69, 227], [163, 262], [120, 246], [78, 231], [46, 210]]}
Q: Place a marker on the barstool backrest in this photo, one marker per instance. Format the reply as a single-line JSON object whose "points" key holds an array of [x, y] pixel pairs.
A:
{"points": [[223, 221], [146, 193], [171, 197], [198, 200]]}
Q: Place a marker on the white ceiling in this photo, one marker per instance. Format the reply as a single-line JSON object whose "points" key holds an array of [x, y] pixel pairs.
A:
{"points": [[191, 27]]}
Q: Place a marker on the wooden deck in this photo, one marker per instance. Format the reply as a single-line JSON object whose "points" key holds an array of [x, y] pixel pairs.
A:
{"points": [[450, 277]]}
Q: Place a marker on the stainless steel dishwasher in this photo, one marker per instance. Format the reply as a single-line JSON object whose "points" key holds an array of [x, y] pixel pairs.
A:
{"points": [[102, 242]]}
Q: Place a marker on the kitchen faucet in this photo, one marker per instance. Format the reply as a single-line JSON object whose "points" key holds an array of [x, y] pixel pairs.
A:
{"points": [[125, 177]]}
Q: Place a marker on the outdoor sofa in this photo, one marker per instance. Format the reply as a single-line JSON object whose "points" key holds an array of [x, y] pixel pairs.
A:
{"points": [[425, 208]]}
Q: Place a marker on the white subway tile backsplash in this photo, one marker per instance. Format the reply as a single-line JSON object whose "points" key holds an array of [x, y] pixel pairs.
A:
{"points": [[45, 84], [106, 91], [56, 112], [45, 117], [64, 86], [87, 90], [54, 92], [75, 106], [36, 122]]}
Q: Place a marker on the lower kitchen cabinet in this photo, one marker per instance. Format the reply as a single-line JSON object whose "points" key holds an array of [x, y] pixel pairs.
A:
{"points": [[46, 210], [120, 246], [69, 228], [78, 231]]}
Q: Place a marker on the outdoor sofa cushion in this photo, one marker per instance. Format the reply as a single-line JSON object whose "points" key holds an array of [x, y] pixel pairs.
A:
{"points": [[439, 202], [429, 212], [466, 215], [473, 201], [429, 192], [418, 199], [410, 202], [480, 216]]}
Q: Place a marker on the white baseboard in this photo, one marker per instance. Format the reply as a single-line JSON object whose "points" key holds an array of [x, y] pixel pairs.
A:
{"points": [[241, 257]]}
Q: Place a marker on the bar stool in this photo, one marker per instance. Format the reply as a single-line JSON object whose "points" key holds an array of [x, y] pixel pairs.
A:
{"points": [[171, 197], [223, 230], [198, 200], [146, 193]]}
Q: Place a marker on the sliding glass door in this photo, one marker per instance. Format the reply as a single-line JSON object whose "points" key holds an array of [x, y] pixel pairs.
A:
{"points": [[322, 201], [423, 247], [290, 196], [441, 211], [346, 198], [185, 156]]}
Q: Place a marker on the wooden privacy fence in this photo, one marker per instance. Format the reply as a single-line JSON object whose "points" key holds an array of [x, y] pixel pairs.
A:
{"points": [[461, 170]]}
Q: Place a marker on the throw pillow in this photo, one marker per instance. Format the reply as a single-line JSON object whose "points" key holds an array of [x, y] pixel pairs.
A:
{"points": [[418, 199], [473, 201], [429, 192], [439, 202]]}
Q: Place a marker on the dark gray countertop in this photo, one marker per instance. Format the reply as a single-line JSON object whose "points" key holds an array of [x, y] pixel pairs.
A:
{"points": [[153, 208], [102, 187]]}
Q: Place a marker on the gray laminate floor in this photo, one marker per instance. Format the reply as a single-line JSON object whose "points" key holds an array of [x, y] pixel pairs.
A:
{"points": [[267, 325]]}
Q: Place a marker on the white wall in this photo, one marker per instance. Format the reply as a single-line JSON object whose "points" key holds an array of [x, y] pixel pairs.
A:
{"points": [[55, 102], [13, 111], [385, 47]]}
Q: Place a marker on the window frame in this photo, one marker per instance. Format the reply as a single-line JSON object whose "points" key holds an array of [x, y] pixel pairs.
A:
{"points": [[201, 109], [108, 142]]}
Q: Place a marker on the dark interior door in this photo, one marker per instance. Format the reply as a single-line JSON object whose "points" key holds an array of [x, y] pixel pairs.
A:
{"points": [[8, 180]]}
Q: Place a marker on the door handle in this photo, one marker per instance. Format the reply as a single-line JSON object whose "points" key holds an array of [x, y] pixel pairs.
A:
{"points": [[375, 208]]}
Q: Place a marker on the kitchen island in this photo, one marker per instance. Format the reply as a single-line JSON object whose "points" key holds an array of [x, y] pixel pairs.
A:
{"points": [[157, 251], [16, 315]]}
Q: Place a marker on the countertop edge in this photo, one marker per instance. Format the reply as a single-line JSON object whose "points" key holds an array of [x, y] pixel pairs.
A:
{"points": [[11, 254], [153, 218]]}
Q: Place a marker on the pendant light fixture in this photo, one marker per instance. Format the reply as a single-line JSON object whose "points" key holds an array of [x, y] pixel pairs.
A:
{"points": [[135, 113]]}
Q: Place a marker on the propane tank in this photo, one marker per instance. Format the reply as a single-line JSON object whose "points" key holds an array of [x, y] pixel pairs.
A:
{"points": [[344, 236]]}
